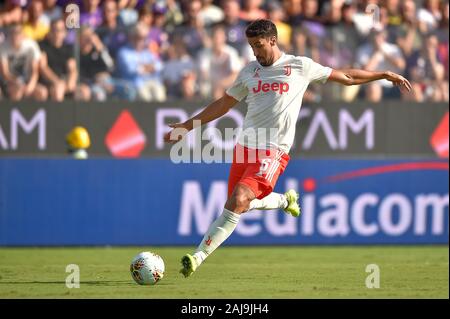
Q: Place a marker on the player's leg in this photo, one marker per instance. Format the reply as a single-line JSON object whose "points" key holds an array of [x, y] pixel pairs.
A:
{"points": [[227, 218], [225, 224], [220, 229], [267, 177], [287, 202], [271, 201]]}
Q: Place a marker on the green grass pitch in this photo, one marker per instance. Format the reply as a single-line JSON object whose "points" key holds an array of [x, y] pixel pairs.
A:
{"points": [[231, 272]]}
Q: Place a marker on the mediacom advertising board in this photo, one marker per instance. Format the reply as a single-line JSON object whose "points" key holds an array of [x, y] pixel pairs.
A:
{"points": [[155, 202]]}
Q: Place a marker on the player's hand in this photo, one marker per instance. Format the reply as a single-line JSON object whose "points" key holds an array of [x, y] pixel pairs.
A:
{"points": [[398, 80], [179, 130]]}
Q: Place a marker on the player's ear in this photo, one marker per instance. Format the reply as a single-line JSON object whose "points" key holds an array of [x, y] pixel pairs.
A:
{"points": [[273, 41]]}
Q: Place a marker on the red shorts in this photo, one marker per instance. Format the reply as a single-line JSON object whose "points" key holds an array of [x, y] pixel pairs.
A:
{"points": [[257, 169]]}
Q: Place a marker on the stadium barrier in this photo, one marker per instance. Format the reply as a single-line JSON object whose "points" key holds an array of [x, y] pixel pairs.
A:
{"points": [[368, 174], [155, 202], [122, 129]]}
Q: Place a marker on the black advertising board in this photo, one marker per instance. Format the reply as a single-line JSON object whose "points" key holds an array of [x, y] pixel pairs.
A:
{"points": [[123, 129]]}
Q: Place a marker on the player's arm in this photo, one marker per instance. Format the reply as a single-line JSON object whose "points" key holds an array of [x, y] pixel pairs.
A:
{"points": [[357, 76], [213, 111]]}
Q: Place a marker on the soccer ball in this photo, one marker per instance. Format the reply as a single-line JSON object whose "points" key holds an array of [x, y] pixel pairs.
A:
{"points": [[147, 268]]}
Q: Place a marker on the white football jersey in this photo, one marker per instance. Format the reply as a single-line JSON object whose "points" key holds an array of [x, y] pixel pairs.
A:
{"points": [[274, 98]]}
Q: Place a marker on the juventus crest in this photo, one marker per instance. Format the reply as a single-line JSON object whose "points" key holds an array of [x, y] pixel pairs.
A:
{"points": [[287, 70], [256, 74]]}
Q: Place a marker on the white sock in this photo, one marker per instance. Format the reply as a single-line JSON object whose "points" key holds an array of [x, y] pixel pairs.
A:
{"points": [[217, 233], [271, 201]]}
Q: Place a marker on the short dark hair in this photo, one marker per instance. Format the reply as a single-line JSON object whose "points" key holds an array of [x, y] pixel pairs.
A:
{"points": [[218, 25], [261, 28]]}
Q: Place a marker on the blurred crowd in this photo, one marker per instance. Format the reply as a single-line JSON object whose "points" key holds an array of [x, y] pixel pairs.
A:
{"points": [[155, 51]]}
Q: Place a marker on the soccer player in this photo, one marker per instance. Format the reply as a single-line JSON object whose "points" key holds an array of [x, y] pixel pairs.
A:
{"points": [[274, 85]]}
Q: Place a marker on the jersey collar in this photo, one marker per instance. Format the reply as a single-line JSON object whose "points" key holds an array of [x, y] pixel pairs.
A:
{"points": [[275, 63]]}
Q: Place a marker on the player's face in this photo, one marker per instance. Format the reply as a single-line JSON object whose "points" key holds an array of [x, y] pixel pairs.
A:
{"points": [[263, 49]]}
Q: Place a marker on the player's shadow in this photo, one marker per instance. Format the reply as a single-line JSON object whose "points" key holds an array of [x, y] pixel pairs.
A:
{"points": [[88, 282]]}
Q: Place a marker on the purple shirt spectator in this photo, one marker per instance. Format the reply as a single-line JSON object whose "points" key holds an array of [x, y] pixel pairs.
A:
{"points": [[93, 19], [113, 40]]}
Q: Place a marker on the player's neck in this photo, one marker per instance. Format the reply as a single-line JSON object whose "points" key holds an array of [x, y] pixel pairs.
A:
{"points": [[276, 56]]}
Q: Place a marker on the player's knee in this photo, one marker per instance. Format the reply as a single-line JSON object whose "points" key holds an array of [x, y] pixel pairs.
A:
{"points": [[239, 201], [237, 204], [242, 202]]}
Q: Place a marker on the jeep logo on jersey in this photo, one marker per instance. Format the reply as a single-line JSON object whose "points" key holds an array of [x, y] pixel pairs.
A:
{"points": [[279, 87]]}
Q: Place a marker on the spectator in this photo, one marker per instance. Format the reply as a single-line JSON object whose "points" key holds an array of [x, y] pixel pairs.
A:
{"points": [[157, 32], [276, 14], [111, 33], [379, 55], [407, 36], [38, 24], [345, 32], [393, 13], [210, 13], [293, 9], [234, 25], [159, 10], [52, 11], [139, 66], [429, 16], [219, 64], [426, 73], [65, 3], [194, 34], [443, 36], [334, 55], [173, 16], [310, 10], [128, 14], [179, 71], [58, 66], [443, 30], [330, 31], [252, 11], [393, 17], [154, 19], [11, 12], [91, 15], [69, 15], [333, 12], [364, 17], [304, 44], [96, 66], [337, 56], [19, 67]]}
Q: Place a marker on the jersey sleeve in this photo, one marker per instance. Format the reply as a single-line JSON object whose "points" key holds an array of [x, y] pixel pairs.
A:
{"points": [[314, 71], [238, 90]]}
